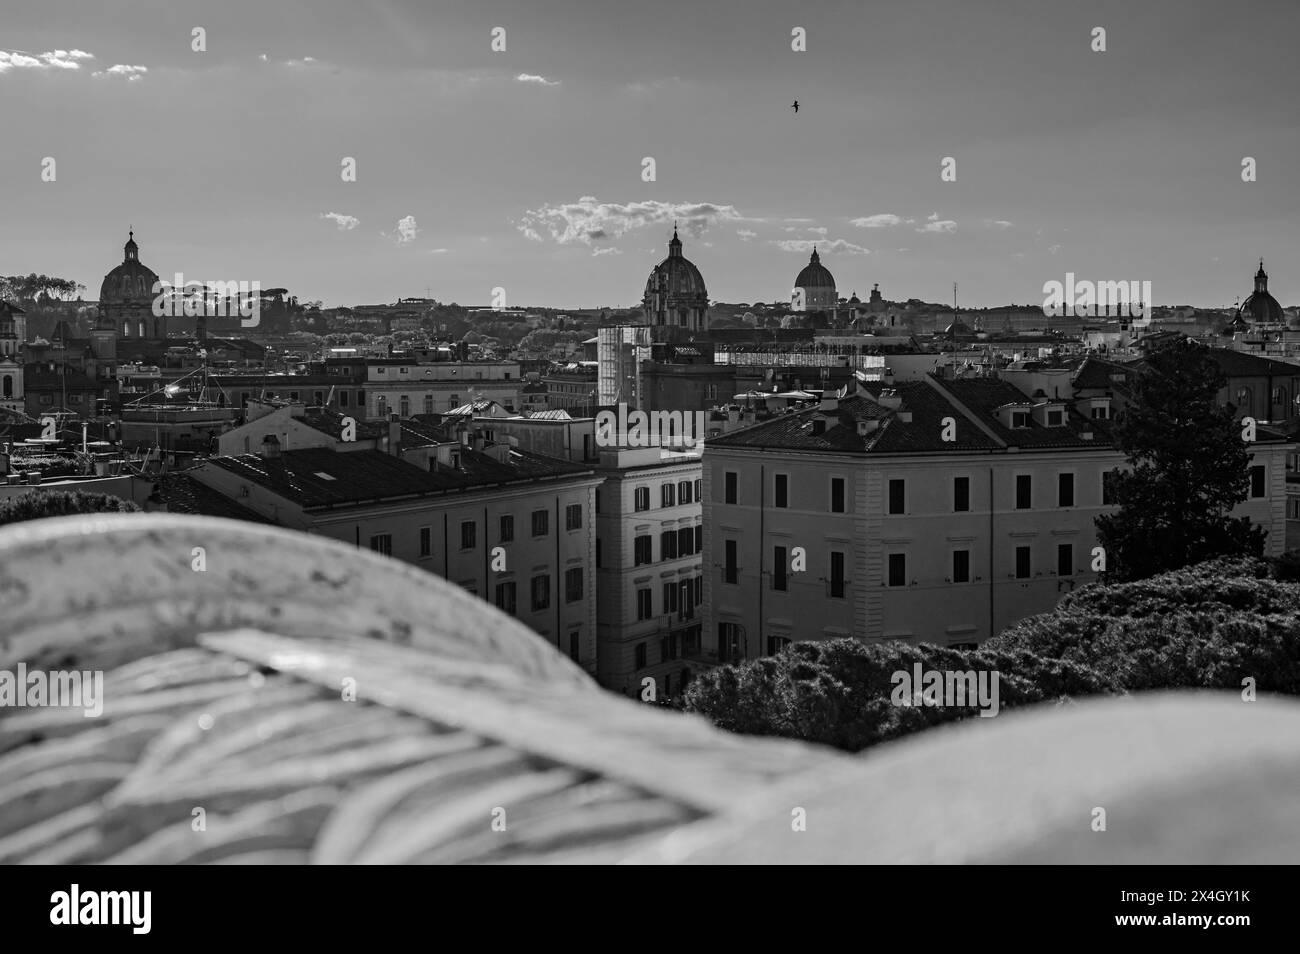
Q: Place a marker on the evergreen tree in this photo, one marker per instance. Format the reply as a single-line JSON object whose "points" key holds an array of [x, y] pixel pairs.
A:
{"points": [[1188, 470]]}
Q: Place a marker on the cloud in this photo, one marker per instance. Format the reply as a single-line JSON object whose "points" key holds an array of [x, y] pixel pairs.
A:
{"points": [[534, 78], [439, 251], [833, 247], [746, 235], [935, 224], [881, 220], [1001, 224], [345, 222], [589, 220], [1053, 249], [607, 250], [407, 231], [130, 73], [51, 59]]}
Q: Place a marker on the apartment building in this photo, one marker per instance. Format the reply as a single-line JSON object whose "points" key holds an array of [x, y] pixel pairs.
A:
{"points": [[936, 511], [649, 569], [514, 528], [405, 387]]}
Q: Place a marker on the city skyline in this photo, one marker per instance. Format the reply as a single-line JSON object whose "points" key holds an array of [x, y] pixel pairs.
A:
{"points": [[485, 169]]}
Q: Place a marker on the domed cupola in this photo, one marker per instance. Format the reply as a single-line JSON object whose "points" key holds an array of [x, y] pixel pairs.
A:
{"points": [[127, 293], [675, 295], [1260, 307], [818, 286]]}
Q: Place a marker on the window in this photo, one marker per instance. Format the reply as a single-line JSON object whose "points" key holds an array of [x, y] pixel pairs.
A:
{"points": [[343, 399], [426, 541], [574, 638], [1108, 488], [960, 494], [507, 528], [897, 495], [1257, 481], [1100, 412], [506, 597], [668, 545], [898, 569], [730, 572], [778, 568], [837, 495], [541, 592], [667, 495], [644, 604], [699, 538], [670, 598], [541, 523], [382, 543], [597, 501], [961, 566], [1022, 563], [699, 489], [731, 641], [685, 541], [684, 492], [1019, 418], [1024, 491], [641, 550], [468, 535], [1055, 418], [598, 560], [405, 405], [729, 483], [781, 497], [640, 655], [1065, 559], [1065, 490], [428, 404], [642, 497], [776, 643], [573, 585], [837, 585], [573, 517]]}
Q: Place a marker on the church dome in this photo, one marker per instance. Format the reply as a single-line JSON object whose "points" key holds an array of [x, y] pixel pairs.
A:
{"points": [[131, 281], [676, 276], [815, 274], [1261, 307]]}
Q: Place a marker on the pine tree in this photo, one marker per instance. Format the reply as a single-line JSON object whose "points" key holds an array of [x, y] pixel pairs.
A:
{"points": [[1188, 470]]}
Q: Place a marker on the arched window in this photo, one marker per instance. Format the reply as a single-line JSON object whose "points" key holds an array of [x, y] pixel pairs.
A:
{"points": [[9, 386], [126, 329], [428, 404], [141, 328]]}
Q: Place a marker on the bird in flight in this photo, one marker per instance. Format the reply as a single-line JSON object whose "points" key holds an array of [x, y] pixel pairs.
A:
{"points": [[795, 105]]}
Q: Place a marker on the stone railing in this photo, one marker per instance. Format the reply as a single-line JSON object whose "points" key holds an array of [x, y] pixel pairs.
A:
{"points": [[273, 697]]}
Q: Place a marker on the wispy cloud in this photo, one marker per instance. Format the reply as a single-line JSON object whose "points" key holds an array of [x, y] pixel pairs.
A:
{"points": [[344, 222], [999, 224], [131, 74], [746, 235], [51, 59], [881, 220], [534, 78], [607, 250], [832, 247], [407, 231], [589, 220], [936, 224]]}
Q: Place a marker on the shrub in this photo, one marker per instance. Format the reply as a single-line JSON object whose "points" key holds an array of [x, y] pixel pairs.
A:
{"points": [[1206, 626], [839, 692], [58, 503]]}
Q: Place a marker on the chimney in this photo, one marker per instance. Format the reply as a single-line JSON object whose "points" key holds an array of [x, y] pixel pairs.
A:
{"points": [[891, 399], [271, 446], [888, 377], [394, 434]]}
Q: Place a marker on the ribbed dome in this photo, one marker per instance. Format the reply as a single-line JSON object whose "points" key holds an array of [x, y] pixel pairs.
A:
{"points": [[131, 281], [1260, 307], [676, 276], [815, 274]]}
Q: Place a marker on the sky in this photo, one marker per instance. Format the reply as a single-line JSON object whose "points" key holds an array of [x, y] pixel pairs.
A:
{"points": [[523, 169]]}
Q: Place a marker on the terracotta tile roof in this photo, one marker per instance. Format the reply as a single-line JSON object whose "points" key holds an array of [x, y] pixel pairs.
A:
{"points": [[983, 396]]}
